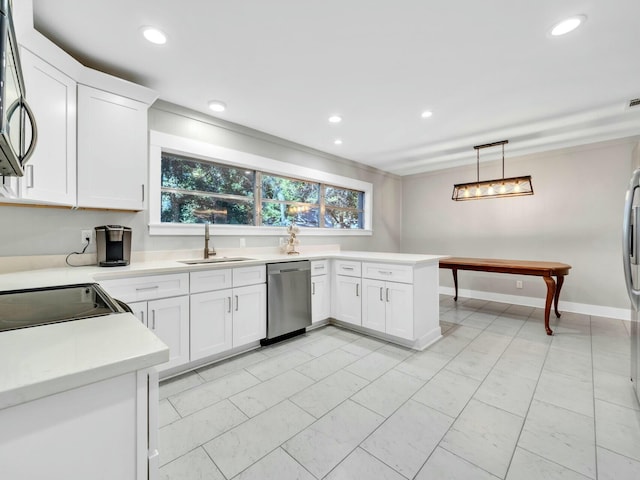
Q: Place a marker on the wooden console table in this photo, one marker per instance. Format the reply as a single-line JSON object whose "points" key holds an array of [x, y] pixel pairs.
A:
{"points": [[546, 270]]}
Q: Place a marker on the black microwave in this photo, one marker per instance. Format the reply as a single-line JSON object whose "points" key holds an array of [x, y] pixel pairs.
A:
{"points": [[18, 132]]}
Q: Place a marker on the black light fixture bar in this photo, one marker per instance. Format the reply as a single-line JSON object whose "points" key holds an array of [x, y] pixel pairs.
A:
{"points": [[498, 188]]}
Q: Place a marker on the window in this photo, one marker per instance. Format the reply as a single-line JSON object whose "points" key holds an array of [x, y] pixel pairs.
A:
{"points": [[244, 194], [196, 192], [286, 200], [344, 208]]}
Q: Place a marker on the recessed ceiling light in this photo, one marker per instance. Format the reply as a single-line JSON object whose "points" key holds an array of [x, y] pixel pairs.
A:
{"points": [[217, 106], [567, 25], [426, 114], [337, 141], [154, 35], [335, 119]]}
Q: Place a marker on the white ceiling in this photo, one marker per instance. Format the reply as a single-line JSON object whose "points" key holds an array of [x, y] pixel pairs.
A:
{"points": [[487, 69]]}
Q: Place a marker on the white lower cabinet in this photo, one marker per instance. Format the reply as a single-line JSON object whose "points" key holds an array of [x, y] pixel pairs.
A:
{"points": [[249, 314], [228, 309], [320, 291], [388, 307], [320, 298], [347, 299], [168, 318], [225, 319], [211, 323], [107, 429]]}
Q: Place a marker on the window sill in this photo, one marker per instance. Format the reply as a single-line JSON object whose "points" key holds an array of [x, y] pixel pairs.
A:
{"points": [[197, 229]]}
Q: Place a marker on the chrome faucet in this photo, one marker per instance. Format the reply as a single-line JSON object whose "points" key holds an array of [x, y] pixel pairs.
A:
{"points": [[207, 252]]}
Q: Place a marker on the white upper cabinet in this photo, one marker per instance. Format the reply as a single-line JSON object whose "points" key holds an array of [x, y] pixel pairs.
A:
{"points": [[50, 174], [92, 129], [112, 150]]}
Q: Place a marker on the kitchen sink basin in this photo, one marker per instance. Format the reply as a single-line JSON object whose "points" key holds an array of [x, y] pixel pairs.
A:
{"points": [[216, 260]]}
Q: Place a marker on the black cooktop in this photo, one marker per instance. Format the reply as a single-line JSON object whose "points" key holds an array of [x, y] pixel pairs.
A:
{"points": [[41, 306]]}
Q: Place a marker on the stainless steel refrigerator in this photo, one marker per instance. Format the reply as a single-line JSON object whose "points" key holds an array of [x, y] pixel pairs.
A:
{"points": [[631, 261]]}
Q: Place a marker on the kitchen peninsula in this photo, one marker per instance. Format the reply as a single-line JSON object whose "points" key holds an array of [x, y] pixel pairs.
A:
{"points": [[388, 295], [101, 369]]}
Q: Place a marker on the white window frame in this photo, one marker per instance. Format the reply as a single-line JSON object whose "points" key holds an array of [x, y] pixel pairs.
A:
{"points": [[163, 142]]}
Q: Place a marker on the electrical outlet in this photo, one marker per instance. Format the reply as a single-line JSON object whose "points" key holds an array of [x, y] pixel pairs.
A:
{"points": [[84, 234], [518, 283], [243, 242]]}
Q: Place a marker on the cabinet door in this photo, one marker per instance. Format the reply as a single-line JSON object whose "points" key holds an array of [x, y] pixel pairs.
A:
{"points": [[112, 150], [88, 432], [249, 314], [348, 303], [320, 298], [399, 301], [373, 304], [211, 323], [169, 320], [50, 174], [139, 309]]}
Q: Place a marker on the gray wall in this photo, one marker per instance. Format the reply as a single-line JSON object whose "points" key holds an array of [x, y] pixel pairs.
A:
{"points": [[51, 231], [574, 217]]}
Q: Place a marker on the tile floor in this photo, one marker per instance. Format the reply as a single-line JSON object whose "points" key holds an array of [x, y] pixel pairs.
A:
{"points": [[495, 398]]}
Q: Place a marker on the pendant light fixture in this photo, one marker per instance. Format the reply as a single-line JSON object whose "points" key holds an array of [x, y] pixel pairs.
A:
{"points": [[501, 187]]}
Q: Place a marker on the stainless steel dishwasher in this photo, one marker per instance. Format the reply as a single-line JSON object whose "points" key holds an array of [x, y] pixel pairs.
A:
{"points": [[288, 299]]}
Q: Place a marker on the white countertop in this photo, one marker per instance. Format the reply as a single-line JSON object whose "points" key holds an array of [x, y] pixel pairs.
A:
{"points": [[40, 361], [73, 275], [43, 360]]}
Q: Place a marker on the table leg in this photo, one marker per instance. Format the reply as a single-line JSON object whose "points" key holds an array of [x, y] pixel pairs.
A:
{"points": [[455, 282], [551, 290], [558, 287]]}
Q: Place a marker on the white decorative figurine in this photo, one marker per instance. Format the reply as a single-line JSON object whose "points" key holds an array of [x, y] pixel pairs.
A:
{"points": [[292, 241]]}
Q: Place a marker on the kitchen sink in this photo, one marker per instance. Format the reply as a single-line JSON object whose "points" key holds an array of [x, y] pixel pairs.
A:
{"points": [[216, 260]]}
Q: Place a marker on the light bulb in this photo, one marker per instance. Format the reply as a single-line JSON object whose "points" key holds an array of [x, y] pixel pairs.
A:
{"points": [[217, 106], [567, 25], [154, 35]]}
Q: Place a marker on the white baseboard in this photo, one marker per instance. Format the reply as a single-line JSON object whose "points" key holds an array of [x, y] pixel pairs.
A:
{"points": [[583, 308]]}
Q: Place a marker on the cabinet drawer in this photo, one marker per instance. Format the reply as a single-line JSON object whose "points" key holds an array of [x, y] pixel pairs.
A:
{"points": [[147, 288], [319, 267], [388, 271], [209, 280], [249, 275], [348, 267]]}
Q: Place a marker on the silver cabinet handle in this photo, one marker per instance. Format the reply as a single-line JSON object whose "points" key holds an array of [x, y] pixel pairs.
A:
{"points": [[319, 267], [29, 176], [357, 289], [142, 316], [142, 289], [387, 294], [229, 310], [384, 272], [237, 303], [313, 288], [346, 268], [153, 319], [381, 294], [142, 191]]}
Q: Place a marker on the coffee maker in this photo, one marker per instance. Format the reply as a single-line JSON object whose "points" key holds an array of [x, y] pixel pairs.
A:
{"points": [[113, 243]]}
